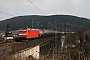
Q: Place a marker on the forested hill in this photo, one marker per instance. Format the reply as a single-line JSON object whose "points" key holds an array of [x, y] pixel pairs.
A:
{"points": [[62, 21]]}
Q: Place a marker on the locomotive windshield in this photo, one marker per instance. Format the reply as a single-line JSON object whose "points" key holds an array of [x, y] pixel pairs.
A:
{"points": [[22, 30]]}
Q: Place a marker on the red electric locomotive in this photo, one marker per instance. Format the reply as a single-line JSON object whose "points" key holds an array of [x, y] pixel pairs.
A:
{"points": [[26, 33]]}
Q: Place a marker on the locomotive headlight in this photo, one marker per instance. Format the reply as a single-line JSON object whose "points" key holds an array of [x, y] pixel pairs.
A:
{"points": [[24, 34]]}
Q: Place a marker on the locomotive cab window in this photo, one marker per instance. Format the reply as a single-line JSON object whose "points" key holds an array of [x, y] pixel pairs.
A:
{"points": [[22, 31]]}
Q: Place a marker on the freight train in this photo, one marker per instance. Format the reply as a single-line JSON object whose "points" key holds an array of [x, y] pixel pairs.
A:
{"points": [[28, 33]]}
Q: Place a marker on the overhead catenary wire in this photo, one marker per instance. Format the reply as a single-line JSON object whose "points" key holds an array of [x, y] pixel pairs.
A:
{"points": [[6, 13], [36, 7], [10, 9]]}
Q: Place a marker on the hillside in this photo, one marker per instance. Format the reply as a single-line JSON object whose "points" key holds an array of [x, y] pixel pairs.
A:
{"points": [[63, 21]]}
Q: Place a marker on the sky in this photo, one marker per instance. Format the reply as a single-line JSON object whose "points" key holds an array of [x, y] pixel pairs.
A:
{"points": [[13, 8]]}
